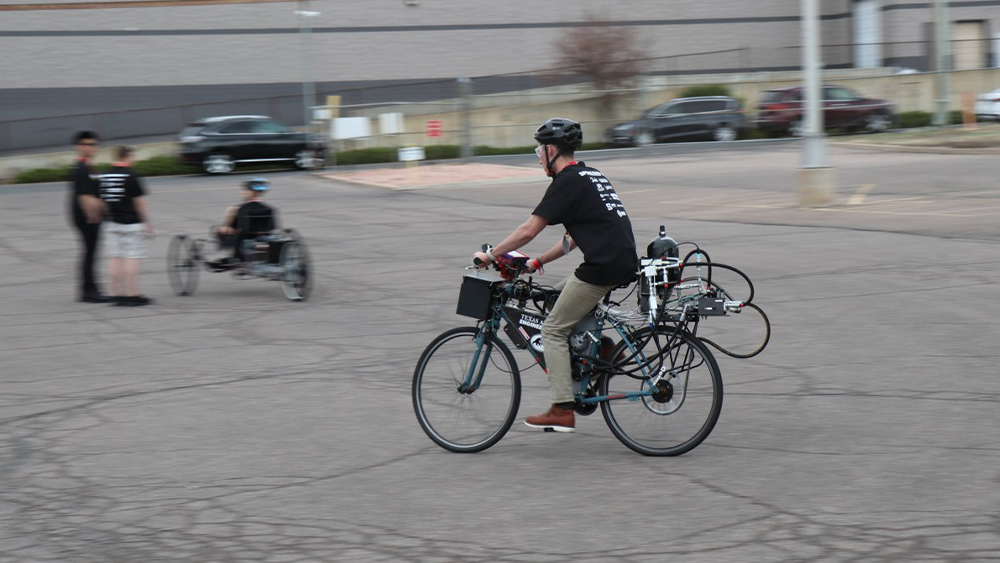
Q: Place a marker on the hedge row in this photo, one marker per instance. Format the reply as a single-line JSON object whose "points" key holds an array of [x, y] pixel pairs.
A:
{"points": [[170, 165]]}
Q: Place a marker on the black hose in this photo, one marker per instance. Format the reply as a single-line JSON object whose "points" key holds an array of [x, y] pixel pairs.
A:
{"points": [[767, 337]]}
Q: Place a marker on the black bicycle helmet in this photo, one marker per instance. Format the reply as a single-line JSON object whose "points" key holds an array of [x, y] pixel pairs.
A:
{"points": [[257, 184], [563, 133]]}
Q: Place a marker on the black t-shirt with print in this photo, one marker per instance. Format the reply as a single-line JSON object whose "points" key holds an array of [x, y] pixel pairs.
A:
{"points": [[584, 201], [119, 188], [82, 183]]}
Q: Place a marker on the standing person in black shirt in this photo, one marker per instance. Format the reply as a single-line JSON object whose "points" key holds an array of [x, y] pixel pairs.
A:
{"points": [[86, 209], [127, 230], [585, 203]]}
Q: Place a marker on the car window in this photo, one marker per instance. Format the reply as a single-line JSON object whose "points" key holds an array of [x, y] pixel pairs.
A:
{"points": [[698, 107], [660, 111], [716, 105], [839, 94], [771, 96], [268, 127], [682, 108], [235, 128]]}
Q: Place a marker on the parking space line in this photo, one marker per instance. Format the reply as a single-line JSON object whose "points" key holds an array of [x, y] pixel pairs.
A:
{"points": [[867, 211], [858, 197]]}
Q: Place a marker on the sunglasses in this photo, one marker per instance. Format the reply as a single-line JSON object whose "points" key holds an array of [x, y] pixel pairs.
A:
{"points": [[539, 150], [88, 143]]}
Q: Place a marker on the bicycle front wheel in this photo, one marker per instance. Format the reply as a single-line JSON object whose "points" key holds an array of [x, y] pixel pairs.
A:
{"points": [[678, 412], [458, 419]]}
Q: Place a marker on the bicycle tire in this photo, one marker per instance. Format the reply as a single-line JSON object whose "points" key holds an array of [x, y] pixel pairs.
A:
{"points": [[464, 422], [183, 263], [659, 425], [296, 280]]}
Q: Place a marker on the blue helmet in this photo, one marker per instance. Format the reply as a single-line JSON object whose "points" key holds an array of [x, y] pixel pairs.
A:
{"points": [[257, 184]]}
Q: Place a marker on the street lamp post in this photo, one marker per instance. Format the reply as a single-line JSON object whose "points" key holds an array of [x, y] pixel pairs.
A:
{"points": [[942, 54], [308, 86], [816, 179]]}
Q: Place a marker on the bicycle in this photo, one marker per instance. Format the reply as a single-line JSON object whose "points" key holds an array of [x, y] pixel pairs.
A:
{"points": [[659, 387]]}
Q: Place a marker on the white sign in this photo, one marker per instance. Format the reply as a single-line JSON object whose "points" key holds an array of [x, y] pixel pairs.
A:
{"points": [[410, 154], [350, 128], [390, 123]]}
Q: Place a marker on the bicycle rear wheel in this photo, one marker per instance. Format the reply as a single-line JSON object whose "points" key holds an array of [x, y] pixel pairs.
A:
{"points": [[686, 403], [459, 421]]}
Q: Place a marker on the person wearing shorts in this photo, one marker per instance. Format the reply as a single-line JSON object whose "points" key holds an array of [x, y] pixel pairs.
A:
{"points": [[127, 229]]}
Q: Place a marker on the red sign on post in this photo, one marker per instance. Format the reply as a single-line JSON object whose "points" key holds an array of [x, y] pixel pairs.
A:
{"points": [[433, 128]]}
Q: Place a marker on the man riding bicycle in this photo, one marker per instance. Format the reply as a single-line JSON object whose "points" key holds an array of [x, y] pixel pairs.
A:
{"points": [[585, 203]]}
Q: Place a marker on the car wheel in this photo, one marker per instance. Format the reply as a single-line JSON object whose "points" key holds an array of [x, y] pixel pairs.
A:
{"points": [[307, 159], [724, 133], [795, 129], [218, 164], [644, 139], [877, 122]]}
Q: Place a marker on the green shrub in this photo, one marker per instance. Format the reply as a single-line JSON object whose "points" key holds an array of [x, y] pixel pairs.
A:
{"points": [[909, 119], [484, 150], [754, 133], [163, 166], [955, 117], [441, 152], [705, 90], [43, 175], [376, 155]]}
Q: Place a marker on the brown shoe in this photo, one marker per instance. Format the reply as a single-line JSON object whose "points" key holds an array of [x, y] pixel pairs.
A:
{"points": [[556, 419]]}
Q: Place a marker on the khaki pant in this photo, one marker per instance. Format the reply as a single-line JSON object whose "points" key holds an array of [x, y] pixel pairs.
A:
{"points": [[576, 300]]}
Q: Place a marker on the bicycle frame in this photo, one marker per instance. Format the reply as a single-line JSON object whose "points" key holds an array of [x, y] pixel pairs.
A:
{"points": [[489, 329]]}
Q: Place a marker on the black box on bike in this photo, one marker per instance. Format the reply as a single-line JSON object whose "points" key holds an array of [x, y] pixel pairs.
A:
{"points": [[475, 299]]}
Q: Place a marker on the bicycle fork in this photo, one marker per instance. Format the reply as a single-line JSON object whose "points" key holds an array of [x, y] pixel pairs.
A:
{"points": [[474, 373]]}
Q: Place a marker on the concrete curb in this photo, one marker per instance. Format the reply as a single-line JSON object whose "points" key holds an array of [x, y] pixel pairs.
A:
{"points": [[935, 149]]}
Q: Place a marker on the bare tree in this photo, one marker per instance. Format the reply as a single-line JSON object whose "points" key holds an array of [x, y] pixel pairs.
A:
{"points": [[607, 54]]}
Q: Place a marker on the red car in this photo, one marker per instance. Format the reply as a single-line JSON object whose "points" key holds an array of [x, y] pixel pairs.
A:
{"points": [[780, 111]]}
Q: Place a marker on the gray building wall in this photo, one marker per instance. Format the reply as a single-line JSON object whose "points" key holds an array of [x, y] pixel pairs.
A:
{"points": [[91, 61]]}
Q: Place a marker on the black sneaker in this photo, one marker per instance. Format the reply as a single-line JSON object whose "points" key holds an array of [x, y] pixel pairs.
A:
{"points": [[222, 264], [94, 298], [138, 301]]}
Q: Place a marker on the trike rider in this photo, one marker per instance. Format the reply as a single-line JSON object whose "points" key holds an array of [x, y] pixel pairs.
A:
{"points": [[238, 220], [582, 200]]}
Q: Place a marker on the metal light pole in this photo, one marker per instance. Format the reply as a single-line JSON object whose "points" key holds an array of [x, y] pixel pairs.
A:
{"points": [[816, 179], [942, 56], [308, 86]]}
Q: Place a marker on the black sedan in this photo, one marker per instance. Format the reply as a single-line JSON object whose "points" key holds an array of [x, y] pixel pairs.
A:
{"points": [[718, 118], [218, 144]]}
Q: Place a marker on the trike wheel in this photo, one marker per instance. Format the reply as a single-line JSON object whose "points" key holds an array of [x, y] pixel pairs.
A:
{"points": [[296, 274], [457, 419], [684, 405], [183, 263]]}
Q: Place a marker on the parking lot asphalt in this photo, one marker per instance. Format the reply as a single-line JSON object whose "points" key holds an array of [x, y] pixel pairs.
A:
{"points": [[234, 425]]}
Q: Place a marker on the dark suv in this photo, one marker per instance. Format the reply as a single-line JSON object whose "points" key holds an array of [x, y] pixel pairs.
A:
{"points": [[218, 144], [780, 111], [718, 118]]}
